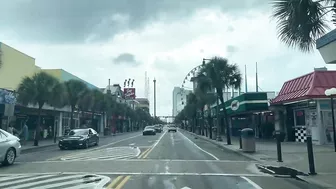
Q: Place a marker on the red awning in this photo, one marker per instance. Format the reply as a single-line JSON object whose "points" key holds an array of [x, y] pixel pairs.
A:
{"points": [[308, 86]]}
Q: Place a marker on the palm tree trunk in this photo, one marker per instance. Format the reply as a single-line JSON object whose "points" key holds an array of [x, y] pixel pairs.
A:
{"points": [[226, 121], [92, 119], [71, 117], [202, 124], [83, 118], [210, 126], [38, 126]]}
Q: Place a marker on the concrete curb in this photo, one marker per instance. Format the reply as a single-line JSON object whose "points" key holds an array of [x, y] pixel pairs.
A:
{"points": [[308, 179]]}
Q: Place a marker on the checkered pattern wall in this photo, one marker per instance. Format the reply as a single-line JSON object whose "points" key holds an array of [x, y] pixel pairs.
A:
{"points": [[300, 134]]}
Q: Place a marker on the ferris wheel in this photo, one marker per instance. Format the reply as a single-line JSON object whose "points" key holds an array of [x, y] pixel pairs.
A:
{"points": [[192, 73]]}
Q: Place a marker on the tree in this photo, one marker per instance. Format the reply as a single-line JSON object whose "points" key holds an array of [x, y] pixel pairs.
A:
{"points": [[222, 75], [191, 109], [85, 103], [37, 90], [301, 22], [74, 90]]}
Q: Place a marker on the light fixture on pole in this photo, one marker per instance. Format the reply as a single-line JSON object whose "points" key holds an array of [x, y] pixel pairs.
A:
{"points": [[331, 93], [154, 97]]}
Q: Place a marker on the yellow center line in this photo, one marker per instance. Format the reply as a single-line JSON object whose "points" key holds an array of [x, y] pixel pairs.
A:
{"points": [[114, 182], [123, 182], [142, 154], [147, 153]]}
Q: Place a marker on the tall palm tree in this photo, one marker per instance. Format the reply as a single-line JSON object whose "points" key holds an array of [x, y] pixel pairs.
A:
{"points": [[301, 22], [222, 75], [191, 109], [74, 90], [97, 98], [85, 103], [37, 90]]}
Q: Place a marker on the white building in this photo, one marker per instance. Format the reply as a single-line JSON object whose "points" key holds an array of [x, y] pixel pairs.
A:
{"points": [[179, 96]]}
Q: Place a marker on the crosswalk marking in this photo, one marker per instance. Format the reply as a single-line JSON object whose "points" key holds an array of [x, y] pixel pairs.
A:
{"points": [[105, 154], [47, 181]]}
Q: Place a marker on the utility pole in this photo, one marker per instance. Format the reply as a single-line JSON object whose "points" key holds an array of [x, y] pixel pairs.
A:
{"points": [[154, 97]]}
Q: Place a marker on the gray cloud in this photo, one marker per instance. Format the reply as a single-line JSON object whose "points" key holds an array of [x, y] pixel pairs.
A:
{"points": [[231, 49], [75, 21], [125, 58]]}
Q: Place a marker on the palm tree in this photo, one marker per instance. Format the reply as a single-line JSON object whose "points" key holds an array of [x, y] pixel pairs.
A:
{"points": [[222, 75], [37, 90], [74, 90], [97, 98], [301, 22], [191, 109], [85, 103]]}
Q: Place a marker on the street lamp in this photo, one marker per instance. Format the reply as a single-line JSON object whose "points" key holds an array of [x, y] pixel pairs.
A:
{"points": [[331, 92], [154, 97]]}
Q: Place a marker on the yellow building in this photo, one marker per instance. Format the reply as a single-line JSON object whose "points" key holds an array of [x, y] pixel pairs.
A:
{"points": [[15, 66]]}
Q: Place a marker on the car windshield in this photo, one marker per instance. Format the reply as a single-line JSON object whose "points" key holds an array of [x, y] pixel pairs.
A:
{"points": [[79, 132], [149, 127]]}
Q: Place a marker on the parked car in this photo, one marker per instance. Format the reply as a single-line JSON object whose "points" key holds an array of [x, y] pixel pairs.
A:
{"points": [[79, 138], [10, 148], [149, 130], [158, 129], [172, 128]]}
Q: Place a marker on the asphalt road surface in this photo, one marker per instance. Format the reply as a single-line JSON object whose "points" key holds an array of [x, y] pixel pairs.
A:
{"points": [[132, 161]]}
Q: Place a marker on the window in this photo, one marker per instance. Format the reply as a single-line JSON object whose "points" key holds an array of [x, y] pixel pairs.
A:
{"points": [[300, 118]]}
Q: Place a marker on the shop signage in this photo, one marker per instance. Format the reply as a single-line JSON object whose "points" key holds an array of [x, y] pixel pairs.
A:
{"points": [[129, 93], [7, 97], [234, 105]]}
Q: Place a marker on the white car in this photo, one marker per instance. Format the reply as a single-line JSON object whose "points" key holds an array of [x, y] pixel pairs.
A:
{"points": [[10, 148]]}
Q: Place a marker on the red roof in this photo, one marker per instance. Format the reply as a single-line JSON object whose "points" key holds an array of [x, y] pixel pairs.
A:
{"points": [[308, 86]]}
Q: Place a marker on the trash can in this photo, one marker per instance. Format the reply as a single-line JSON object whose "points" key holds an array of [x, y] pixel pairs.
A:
{"points": [[248, 140]]}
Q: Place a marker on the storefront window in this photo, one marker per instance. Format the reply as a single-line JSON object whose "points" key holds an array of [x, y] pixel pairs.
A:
{"points": [[300, 118]]}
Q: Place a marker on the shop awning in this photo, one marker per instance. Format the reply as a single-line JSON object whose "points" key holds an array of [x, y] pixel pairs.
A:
{"points": [[308, 86]]}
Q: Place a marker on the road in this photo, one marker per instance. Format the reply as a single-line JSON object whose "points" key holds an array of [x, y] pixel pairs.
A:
{"points": [[132, 161]]}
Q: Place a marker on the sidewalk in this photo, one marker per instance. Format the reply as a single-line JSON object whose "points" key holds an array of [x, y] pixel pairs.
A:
{"points": [[294, 155]]}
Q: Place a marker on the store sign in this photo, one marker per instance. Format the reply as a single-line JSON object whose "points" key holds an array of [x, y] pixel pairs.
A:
{"points": [[234, 105], [129, 93], [7, 97]]}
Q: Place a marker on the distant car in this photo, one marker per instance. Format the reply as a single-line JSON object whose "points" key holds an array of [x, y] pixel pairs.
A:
{"points": [[79, 138], [158, 129], [172, 128], [149, 130], [10, 148]]}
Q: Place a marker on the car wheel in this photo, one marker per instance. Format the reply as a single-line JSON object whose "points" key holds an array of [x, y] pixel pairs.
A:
{"points": [[97, 142], [61, 148], [10, 157], [86, 144]]}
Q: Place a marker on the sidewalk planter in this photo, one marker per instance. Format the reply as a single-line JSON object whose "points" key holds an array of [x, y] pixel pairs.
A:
{"points": [[248, 140]]}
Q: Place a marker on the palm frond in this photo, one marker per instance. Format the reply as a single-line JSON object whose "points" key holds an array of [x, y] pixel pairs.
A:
{"points": [[299, 22]]}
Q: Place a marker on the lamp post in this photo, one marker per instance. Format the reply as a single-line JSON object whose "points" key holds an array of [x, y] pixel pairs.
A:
{"points": [[331, 92], [154, 97]]}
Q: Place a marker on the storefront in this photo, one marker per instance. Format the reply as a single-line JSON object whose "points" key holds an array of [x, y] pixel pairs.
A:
{"points": [[250, 110], [301, 104]]}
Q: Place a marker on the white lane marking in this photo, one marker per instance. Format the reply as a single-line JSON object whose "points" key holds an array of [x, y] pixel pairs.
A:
{"points": [[51, 180], [140, 160], [145, 173], [98, 148], [256, 186], [166, 167], [185, 187], [157, 142], [172, 139], [132, 144], [210, 154]]}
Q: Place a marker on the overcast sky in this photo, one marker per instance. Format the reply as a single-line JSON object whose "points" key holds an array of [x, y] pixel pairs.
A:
{"points": [[118, 39]]}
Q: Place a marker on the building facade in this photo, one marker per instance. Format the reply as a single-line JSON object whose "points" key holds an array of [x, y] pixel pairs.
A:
{"points": [[15, 66], [143, 103], [63, 76], [179, 99]]}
